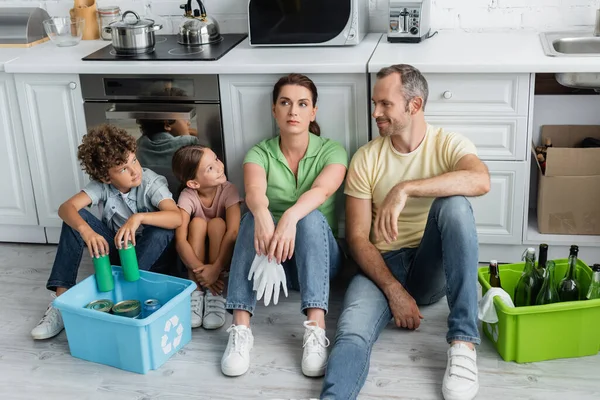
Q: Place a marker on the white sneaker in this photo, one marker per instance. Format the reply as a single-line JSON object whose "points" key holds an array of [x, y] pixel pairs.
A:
{"points": [[460, 379], [236, 359], [50, 325], [314, 358], [197, 305], [214, 311]]}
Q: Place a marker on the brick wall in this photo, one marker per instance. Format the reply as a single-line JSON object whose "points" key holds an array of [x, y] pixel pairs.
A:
{"points": [[469, 15]]}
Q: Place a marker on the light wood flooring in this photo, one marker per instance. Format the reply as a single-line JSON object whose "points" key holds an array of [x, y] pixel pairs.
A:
{"points": [[404, 365]]}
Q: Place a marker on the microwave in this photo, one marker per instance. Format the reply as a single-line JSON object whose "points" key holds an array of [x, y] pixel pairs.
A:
{"points": [[307, 22]]}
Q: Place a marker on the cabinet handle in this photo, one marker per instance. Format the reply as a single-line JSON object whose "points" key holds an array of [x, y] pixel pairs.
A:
{"points": [[72, 85], [447, 94]]}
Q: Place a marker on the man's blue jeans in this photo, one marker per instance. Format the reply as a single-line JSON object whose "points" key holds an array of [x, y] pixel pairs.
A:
{"points": [[444, 264], [317, 258], [152, 250]]}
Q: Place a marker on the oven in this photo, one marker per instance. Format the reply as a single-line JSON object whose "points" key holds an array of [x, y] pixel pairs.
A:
{"points": [[128, 101]]}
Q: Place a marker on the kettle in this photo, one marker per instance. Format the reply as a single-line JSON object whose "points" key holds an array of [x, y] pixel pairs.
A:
{"points": [[197, 28]]}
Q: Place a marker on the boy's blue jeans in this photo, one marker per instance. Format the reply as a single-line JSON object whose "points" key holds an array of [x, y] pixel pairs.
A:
{"points": [[317, 258], [151, 248]]}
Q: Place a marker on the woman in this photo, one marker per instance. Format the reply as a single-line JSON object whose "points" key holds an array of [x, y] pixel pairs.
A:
{"points": [[290, 181]]}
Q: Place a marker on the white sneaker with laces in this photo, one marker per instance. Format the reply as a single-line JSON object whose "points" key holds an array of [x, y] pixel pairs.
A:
{"points": [[214, 311], [50, 325], [314, 357], [460, 379], [236, 359], [197, 305]]}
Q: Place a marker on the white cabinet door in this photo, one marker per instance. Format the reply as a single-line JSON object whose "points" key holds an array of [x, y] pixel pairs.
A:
{"points": [[17, 204], [247, 119], [499, 213], [54, 123]]}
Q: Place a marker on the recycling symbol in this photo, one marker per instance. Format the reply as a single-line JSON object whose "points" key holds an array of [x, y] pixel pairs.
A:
{"points": [[172, 323]]}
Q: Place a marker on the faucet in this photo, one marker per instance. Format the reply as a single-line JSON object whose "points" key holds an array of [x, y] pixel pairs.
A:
{"points": [[597, 24]]}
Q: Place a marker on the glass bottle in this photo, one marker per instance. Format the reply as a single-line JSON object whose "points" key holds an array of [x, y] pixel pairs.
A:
{"points": [[594, 290], [494, 274], [568, 289], [527, 281], [548, 293], [539, 271]]}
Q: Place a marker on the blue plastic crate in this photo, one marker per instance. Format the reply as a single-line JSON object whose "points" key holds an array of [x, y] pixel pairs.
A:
{"points": [[136, 345]]}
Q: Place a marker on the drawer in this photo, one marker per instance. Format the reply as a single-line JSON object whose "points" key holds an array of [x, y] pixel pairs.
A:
{"points": [[499, 213], [496, 138], [478, 94]]}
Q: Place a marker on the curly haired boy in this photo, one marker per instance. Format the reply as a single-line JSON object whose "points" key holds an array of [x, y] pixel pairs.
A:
{"points": [[136, 205]]}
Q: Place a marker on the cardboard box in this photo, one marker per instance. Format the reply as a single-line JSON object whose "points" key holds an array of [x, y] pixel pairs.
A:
{"points": [[569, 191]]}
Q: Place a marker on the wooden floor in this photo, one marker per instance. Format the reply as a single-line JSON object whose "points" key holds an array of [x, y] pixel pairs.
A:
{"points": [[404, 365]]}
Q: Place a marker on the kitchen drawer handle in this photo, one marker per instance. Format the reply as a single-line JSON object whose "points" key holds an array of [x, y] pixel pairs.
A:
{"points": [[447, 94], [72, 85], [120, 113]]}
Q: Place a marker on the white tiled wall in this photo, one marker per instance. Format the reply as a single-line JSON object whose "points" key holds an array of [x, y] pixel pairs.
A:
{"points": [[469, 15]]}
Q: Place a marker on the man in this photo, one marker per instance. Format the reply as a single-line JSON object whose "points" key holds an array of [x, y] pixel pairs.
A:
{"points": [[412, 232]]}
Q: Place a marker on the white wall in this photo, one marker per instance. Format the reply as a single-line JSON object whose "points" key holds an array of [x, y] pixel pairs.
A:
{"points": [[470, 15]]}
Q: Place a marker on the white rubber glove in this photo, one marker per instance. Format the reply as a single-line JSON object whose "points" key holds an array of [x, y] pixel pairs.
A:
{"points": [[257, 268], [268, 276]]}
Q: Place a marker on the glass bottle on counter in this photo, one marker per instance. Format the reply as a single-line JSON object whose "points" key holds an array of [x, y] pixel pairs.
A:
{"points": [[494, 274], [548, 293], [568, 289], [527, 281], [594, 290]]}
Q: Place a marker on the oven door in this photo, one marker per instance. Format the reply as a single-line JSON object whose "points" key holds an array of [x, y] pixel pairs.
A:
{"points": [[205, 124]]}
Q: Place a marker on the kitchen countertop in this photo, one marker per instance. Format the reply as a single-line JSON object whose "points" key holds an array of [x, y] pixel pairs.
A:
{"points": [[243, 59], [8, 54], [462, 52]]}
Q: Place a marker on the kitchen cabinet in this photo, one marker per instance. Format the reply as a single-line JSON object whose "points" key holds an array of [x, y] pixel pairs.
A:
{"points": [[54, 123], [18, 216]]}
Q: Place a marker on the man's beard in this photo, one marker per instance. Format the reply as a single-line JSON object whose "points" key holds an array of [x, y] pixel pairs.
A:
{"points": [[393, 128]]}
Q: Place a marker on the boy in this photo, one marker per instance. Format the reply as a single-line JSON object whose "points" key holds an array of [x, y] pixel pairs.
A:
{"points": [[136, 206]]}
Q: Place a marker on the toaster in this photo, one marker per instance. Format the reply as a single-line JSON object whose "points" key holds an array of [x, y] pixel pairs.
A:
{"points": [[409, 21]]}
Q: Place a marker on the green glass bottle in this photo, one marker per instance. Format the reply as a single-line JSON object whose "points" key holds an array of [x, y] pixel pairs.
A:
{"points": [[527, 281], [539, 272], [494, 274], [548, 293], [594, 290], [568, 289]]}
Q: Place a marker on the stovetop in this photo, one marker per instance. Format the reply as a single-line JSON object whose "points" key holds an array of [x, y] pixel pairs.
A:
{"points": [[166, 48]]}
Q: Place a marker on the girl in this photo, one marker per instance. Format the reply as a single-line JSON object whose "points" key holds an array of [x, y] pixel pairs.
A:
{"points": [[210, 210]]}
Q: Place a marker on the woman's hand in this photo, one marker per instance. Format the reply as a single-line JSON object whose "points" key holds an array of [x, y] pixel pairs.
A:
{"points": [[127, 231], [264, 227], [284, 239]]}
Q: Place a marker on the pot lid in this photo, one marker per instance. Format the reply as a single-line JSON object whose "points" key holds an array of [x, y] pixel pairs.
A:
{"points": [[131, 23]]}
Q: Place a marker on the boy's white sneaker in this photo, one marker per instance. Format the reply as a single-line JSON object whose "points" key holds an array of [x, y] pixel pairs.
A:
{"points": [[236, 359], [214, 311], [197, 306], [314, 357], [460, 379], [50, 325]]}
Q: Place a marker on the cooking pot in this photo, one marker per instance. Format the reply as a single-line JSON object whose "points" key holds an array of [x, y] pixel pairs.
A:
{"points": [[198, 29], [133, 36]]}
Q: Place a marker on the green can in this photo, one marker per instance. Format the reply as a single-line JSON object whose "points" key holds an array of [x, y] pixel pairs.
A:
{"points": [[103, 305], [103, 271], [131, 271], [128, 308]]}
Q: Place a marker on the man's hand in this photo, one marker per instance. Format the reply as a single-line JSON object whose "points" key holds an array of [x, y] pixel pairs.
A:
{"points": [[404, 308], [127, 231], [386, 222]]}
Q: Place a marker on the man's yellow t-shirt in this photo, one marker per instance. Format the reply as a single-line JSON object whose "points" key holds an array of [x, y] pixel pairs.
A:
{"points": [[377, 167]]}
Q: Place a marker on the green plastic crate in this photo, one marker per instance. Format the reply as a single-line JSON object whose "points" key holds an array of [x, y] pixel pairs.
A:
{"points": [[537, 333]]}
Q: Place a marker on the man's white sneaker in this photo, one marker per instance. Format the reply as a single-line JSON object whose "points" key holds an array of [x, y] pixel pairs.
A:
{"points": [[460, 379], [236, 359], [197, 305], [314, 357], [50, 325], [214, 311]]}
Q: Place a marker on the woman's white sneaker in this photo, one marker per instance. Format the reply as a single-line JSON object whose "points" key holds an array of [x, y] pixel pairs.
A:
{"points": [[236, 359], [314, 357], [50, 325], [197, 306], [214, 311], [460, 379]]}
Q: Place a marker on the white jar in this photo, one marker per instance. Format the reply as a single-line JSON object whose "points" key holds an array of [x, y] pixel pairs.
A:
{"points": [[106, 15]]}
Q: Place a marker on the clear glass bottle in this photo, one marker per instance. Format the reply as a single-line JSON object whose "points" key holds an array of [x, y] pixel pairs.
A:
{"points": [[106, 15], [494, 274], [527, 282], [594, 290], [568, 289], [548, 293]]}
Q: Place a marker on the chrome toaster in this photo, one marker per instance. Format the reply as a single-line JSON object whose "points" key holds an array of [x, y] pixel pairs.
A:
{"points": [[409, 21]]}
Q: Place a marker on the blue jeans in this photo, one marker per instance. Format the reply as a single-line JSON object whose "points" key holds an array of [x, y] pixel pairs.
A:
{"points": [[317, 258], [445, 263], [152, 248]]}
